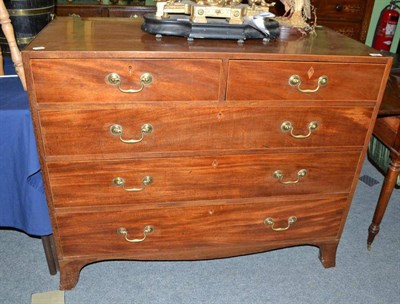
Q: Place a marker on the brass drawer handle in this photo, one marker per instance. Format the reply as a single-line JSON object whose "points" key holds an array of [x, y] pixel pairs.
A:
{"points": [[115, 80], [295, 81], [287, 126], [278, 174], [117, 130], [120, 182], [270, 221], [146, 230]]}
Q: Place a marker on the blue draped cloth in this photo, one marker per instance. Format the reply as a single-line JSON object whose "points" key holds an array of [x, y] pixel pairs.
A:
{"points": [[22, 198]]}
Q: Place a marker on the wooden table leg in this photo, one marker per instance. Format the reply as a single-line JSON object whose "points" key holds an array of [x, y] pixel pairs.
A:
{"points": [[384, 197], [1, 64], [50, 254]]}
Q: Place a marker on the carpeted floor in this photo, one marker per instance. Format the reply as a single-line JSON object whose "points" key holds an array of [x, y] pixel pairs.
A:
{"points": [[292, 275]]}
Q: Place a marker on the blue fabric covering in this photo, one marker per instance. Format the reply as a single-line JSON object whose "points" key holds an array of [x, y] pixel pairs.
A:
{"points": [[22, 199], [8, 66]]}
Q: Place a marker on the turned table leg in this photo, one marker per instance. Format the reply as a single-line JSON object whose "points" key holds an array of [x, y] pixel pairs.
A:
{"points": [[384, 197], [1, 64], [8, 32]]}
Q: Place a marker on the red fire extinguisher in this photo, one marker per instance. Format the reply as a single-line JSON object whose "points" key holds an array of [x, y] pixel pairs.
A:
{"points": [[386, 27]]}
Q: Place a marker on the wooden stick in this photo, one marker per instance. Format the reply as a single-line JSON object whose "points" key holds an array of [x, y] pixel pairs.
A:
{"points": [[1, 64], [8, 31]]}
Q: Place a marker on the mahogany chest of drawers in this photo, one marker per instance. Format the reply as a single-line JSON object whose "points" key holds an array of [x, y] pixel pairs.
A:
{"points": [[349, 17], [168, 149]]}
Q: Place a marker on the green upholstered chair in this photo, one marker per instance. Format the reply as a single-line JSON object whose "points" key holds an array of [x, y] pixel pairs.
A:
{"points": [[379, 155]]}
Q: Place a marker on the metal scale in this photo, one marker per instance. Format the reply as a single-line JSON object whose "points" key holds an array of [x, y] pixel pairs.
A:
{"points": [[215, 19]]}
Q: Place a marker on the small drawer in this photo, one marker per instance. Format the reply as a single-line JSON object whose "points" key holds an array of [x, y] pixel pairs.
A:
{"points": [[129, 11], [154, 181], [352, 10], [155, 129], [117, 81], [350, 29], [262, 80], [71, 10], [208, 231]]}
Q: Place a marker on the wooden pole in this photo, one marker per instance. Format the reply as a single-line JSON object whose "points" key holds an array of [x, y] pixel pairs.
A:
{"points": [[1, 64], [8, 31]]}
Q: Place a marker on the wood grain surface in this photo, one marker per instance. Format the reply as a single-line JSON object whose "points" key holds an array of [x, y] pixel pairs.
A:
{"points": [[199, 178], [216, 108], [197, 227], [86, 133]]}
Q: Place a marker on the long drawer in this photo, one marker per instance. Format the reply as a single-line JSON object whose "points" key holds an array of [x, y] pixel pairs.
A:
{"points": [[144, 182], [91, 80], [167, 233], [99, 132], [263, 80]]}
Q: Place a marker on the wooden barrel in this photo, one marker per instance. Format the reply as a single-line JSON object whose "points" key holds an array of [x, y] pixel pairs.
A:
{"points": [[28, 18]]}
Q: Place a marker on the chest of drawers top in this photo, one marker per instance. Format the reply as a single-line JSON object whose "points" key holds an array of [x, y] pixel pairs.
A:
{"points": [[68, 37]]}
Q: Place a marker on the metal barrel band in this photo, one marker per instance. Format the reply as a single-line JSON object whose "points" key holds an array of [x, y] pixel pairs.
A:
{"points": [[31, 11], [22, 40]]}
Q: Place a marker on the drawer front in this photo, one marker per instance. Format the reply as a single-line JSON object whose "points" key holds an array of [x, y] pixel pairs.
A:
{"points": [[260, 80], [129, 11], [350, 29], [195, 231], [340, 9], [70, 10], [145, 182], [83, 132], [88, 81]]}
